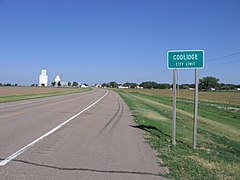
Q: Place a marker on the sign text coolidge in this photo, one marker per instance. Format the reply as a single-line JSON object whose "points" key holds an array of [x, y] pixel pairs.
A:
{"points": [[186, 59]]}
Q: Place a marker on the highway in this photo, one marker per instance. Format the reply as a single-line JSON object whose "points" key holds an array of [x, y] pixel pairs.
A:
{"points": [[88, 135]]}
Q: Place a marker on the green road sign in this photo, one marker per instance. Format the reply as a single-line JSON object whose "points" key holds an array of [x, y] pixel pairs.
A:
{"points": [[186, 59]]}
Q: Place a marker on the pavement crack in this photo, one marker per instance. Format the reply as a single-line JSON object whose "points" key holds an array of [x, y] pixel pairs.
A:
{"points": [[92, 170]]}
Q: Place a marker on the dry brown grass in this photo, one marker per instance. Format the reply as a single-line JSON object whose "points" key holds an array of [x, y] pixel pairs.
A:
{"points": [[223, 97], [233, 168], [9, 91]]}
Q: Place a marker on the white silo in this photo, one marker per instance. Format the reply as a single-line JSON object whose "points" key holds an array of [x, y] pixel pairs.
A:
{"points": [[43, 78]]}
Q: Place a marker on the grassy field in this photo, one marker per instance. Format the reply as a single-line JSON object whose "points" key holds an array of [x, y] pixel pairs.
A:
{"points": [[218, 148], [232, 97], [9, 94]]}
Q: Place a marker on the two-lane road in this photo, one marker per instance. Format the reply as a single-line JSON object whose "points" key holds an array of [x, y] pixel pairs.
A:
{"points": [[88, 135]]}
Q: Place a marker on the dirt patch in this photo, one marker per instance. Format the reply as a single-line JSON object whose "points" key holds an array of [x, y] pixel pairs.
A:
{"points": [[152, 114]]}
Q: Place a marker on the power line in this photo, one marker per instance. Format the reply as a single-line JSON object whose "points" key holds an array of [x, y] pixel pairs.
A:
{"points": [[224, 63], [234, 55], [230, 56]]}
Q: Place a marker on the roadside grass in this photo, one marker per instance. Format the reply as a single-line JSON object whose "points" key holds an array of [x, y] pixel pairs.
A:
{"points": [[218, 148], [18, 97]]}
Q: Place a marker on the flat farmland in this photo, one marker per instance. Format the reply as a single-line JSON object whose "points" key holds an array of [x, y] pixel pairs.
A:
{"points": [[9, 91], [227, 97], [9, 94]]}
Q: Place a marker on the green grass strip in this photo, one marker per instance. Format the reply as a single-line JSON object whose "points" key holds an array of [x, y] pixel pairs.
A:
{"points": [[13, 98]]}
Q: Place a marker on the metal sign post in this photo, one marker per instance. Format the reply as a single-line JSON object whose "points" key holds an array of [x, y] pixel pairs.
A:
{"points": [[178, 88], [195, 110], [174, 109]]}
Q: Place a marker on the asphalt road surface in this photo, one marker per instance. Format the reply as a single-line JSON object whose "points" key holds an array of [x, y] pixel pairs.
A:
{"points": [[89, 135]]}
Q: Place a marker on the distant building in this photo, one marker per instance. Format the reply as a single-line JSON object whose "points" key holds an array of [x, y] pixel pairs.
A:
{"points": [[43, 78], [98, 85], [83, 86], [57, 79], [123, 87]]}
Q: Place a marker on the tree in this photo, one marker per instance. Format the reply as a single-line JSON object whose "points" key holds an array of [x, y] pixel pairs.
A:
{"points": [[155, 85], [54, 83], [59, 83], [184, 86], [69, 84], [149, 85], [75, 84], [113, 84], [130, 85], [106, 85], [164, 86], [43, 84], [192, 86], [208, 82]]}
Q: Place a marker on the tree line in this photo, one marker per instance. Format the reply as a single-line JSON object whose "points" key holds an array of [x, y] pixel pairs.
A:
{"points": [[205, 84], [8, 84]]}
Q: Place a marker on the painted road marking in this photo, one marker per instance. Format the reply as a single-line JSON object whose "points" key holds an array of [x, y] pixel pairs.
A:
{"points": [[13, 156]]}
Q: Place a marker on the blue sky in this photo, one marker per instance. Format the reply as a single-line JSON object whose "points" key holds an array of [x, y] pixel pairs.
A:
{"points": [[96, 41]]}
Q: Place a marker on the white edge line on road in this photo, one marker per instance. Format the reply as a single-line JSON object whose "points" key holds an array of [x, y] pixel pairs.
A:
{"points": [[13, 156]]}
